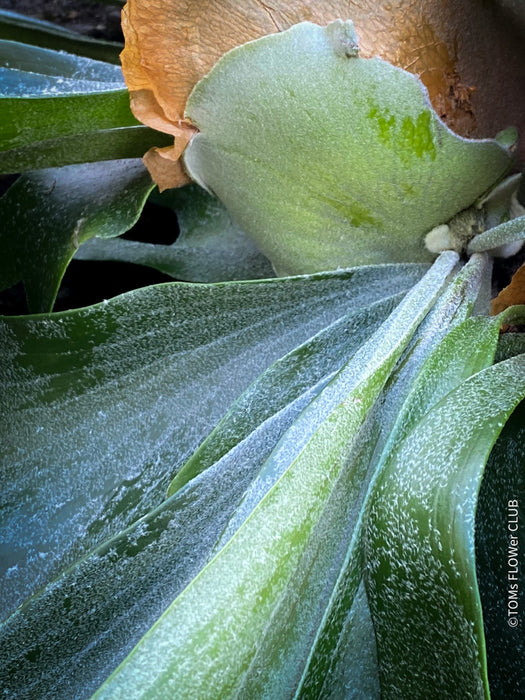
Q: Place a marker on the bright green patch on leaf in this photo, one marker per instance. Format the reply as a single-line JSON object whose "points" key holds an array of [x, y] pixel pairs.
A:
{"points": [[412, 139]]}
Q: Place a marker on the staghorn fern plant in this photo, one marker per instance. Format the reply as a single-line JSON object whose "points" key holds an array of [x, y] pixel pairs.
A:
{"points": [[242, 485]]}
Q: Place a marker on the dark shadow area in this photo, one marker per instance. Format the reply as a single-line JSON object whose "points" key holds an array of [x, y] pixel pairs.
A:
{"points": [[100, 20], [86, 283], [78, 288], [156, 225]]}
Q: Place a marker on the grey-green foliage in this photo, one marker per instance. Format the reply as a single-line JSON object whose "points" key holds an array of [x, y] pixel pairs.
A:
{"points": [[252, 522], [58, 109], [47, 214], [97, 402], [420, 541], [290, 422], [141, 570], [209, 247], [289, 536], [328, 159], [277, 568], [510, 344], [344, 654], [30, 71], [310, 463], [504, 234], [29, 30]]}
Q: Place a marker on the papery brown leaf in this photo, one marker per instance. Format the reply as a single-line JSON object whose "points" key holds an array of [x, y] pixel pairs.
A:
{"points": [[165, 166], [171, 45], [511, 295], [469, 54]]}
